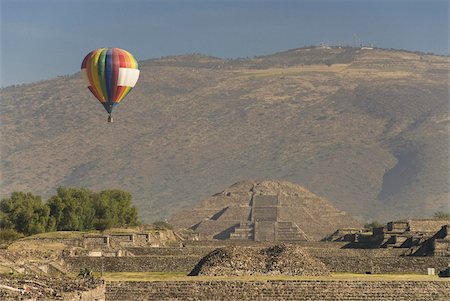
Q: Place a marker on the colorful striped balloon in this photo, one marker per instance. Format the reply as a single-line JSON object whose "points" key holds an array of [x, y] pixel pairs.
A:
{"points": [[110, 74]]}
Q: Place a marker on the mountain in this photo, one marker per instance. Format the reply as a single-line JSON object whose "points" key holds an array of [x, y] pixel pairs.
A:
{"points": [[365, 129]]}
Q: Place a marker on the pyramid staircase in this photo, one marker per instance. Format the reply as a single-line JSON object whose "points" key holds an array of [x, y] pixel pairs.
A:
{"points": [[289, 232], [245, 230]]}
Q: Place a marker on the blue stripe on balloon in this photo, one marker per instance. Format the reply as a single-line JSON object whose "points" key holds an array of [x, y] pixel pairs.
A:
{"points": [[108, 74]]}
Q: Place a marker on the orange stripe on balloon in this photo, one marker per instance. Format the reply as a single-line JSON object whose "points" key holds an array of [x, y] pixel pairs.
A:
{"points": [[124, 93], [89, 74], [127, 60], [133, 63]]}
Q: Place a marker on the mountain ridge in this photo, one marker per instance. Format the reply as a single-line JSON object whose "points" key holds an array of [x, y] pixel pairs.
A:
{"points": [[344, 123]]}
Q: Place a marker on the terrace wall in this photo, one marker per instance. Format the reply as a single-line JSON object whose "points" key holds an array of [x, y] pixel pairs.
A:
{"points": [[325, 290], [185, 263], [133, 264]]}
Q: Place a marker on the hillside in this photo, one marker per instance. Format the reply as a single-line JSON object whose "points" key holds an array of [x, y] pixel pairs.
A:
{"points": [[366, 129]]}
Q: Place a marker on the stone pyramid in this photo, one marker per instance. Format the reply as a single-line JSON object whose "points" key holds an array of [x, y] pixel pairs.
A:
{"points": [[264, 211]]}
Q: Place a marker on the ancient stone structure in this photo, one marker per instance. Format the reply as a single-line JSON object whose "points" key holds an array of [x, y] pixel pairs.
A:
{"points": [[264, 211], [345, 234], [264, 290], [437, 245], [422, 237], [274, 260], [68, 288], [184, 259], [123, 240]]}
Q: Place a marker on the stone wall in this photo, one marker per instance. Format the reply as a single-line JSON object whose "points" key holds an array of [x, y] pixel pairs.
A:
{"points": [[264, 231], [384, 265], [265, 201], [95, 294], [183, 259], [325, 290], [365, 253], [142, 238], [349, 262], [122, 237], [97, 241], [240, 213], [133, 264], [432, 225], [209, 228], [174, 251]]}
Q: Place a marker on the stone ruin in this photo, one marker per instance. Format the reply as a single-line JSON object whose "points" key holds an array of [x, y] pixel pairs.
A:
{"points": [[33, 287], [275, 260], [420, 237], [264, 211], [119, 241]]}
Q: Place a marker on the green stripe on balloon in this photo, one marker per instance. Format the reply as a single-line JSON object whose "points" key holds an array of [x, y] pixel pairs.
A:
{"points": [[101, 72]]}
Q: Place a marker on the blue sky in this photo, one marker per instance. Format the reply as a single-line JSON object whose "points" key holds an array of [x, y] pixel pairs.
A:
{"points": [[41, 39]]}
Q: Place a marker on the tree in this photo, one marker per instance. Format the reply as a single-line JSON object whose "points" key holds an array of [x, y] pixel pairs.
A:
{"points": [[25, 213], [441, 215], [113, 209], [103, 215], [372, 224], [72, 209]]}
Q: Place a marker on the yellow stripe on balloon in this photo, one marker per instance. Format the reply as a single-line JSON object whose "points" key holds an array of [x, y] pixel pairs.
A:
{"points": [[94, 72], [133, 61]]}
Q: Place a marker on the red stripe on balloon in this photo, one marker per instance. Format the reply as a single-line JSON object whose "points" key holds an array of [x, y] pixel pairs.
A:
{"points": [[122, 64], [93, 91], [122, 60], [120, 90], [83, 64]]}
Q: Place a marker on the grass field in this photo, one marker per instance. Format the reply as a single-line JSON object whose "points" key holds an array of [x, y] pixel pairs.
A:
{"points": [[155, 276]]}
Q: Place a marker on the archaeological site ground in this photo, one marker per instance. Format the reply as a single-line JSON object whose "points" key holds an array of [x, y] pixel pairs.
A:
{"points": [[255, 240]]}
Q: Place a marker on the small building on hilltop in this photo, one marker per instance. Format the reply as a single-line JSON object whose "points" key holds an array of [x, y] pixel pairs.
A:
{"points": [[264, 211]]}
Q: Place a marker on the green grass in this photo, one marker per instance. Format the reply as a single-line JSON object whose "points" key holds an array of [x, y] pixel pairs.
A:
{"points": [[182, 276]]}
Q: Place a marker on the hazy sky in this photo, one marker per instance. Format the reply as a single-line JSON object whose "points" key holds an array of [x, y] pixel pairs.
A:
{"points": [[41, 39]]}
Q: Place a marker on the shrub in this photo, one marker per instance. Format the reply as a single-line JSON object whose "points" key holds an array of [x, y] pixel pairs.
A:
{"points": [[160, 225], [441, 215], [9, 235], [372, 224]]}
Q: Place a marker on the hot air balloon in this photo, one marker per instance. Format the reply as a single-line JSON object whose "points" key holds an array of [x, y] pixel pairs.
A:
{"points": [[110, 74]]}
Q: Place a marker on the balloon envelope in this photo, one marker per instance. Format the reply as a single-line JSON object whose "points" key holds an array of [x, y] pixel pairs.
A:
{"points": [[110, 74]]}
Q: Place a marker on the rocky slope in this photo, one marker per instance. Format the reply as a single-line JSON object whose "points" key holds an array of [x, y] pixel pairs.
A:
{"points": [[274, 260]]}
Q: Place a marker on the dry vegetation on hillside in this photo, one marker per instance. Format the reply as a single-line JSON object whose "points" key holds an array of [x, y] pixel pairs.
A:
{"points": [[366, 129]]}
